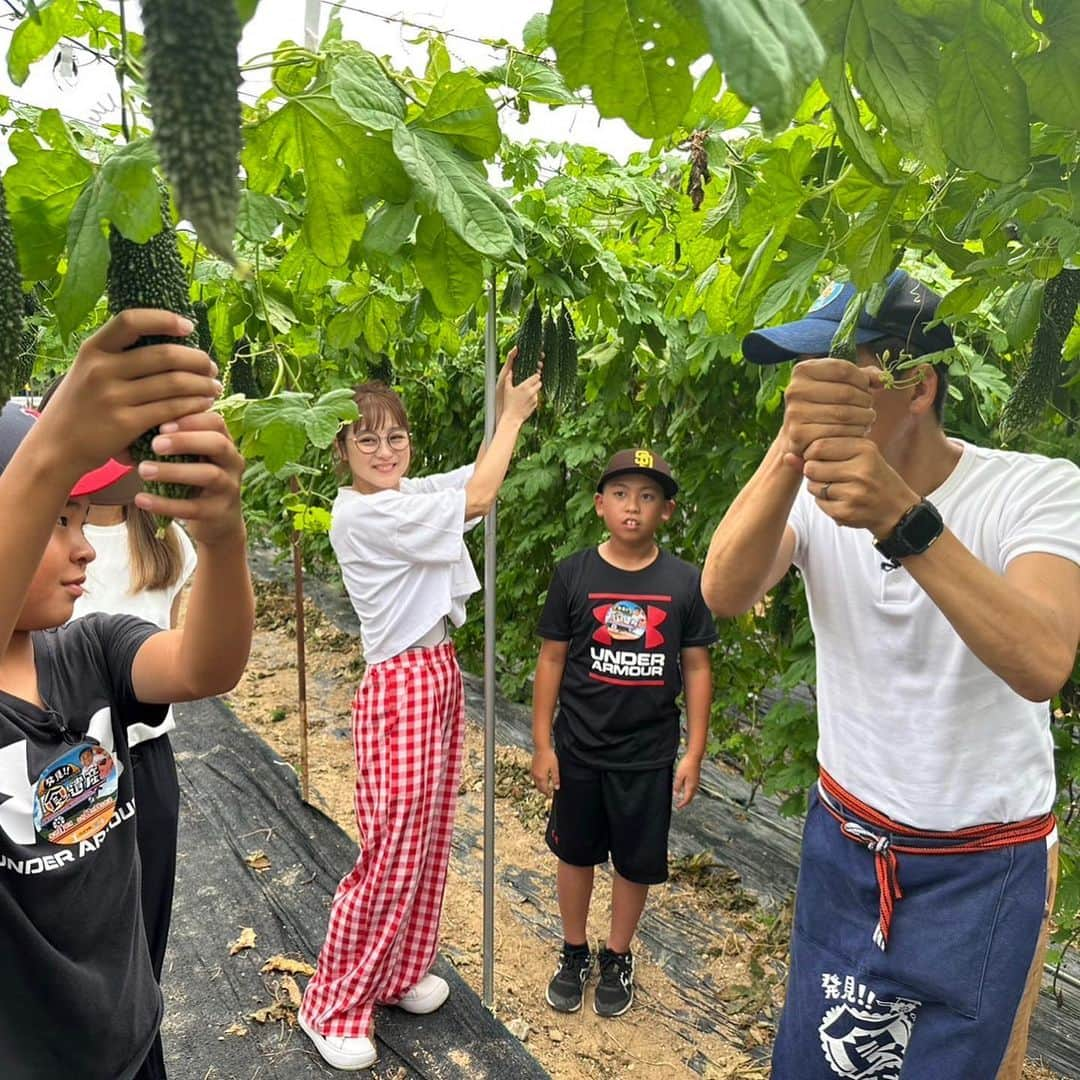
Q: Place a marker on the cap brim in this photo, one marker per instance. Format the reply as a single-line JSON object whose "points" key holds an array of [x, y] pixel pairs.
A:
{"points": [[807, 337], [98, 479], [667, 483]]}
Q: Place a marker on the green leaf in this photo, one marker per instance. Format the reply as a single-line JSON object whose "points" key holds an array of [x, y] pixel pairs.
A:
{"points": [[534, 36], [1021, 311], [43, 187], [343, 165], [855, 139], [245, 9], [451, 271], [362, 89], [768, 51], [868, 248], [258, 216], [1052, 85], [532, 79], [390, 228], [37, 36], [125, 193], [635, 54], [982, 105], [457, 187], [460, 108], [895, 67]]}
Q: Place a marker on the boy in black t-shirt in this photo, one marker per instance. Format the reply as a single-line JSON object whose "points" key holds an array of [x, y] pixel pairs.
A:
{"points": [[625, 629], [79, 997]]}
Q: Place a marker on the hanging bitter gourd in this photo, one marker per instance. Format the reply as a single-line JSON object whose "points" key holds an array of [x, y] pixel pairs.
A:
{"points": [[202, 329], [549, 350], [1035, 388], [192, 79], [11, 307], [567, 360], [151, 275], [530, 343]]}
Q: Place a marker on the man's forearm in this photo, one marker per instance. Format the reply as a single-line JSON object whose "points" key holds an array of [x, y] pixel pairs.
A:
{"points": [[747, 540], [1023, 642]]}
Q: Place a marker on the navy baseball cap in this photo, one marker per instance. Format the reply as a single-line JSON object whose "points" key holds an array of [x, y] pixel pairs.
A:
{"points": [[907, 307], [15, 423]]}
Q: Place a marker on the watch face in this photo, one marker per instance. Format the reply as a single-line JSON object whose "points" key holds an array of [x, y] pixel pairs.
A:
{"points": [[921, 529]]}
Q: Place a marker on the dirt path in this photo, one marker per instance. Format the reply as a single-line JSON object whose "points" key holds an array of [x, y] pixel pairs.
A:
{"points": [[659, 1037]]}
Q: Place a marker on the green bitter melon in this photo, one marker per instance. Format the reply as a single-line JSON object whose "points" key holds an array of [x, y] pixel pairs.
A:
{"points": [[530, 343], [192, 79], [11, 308]]}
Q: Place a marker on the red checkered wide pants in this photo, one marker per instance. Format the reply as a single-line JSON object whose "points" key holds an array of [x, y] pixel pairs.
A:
{"points": [[408, 726]]}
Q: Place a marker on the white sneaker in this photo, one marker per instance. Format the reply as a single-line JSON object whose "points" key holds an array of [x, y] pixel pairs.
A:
{"points": [[426, 996], [348, 1054]]}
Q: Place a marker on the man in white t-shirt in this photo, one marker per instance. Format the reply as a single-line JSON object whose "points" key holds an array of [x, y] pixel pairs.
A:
{"points": [[943, 582]]}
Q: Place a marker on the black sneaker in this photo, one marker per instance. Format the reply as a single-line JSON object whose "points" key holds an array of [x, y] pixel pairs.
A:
{"points": [[615, 991], [567, 986]]}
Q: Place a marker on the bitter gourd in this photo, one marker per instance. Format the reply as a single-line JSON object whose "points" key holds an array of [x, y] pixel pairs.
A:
{"points": [[567, 360], [549, 349], [192, 79], [1035, 387], [151, 275], [11, 307], [530, 344]]}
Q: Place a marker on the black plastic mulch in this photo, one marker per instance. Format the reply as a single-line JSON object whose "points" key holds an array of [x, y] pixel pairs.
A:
{"points": [[237, 798]]}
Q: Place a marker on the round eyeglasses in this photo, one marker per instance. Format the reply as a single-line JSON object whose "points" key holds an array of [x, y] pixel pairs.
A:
{"points": [[368, 442]]}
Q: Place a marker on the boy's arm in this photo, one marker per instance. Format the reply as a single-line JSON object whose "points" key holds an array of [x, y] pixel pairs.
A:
{"points": [[697, 684], [108, 399], [207, 655], [549, 672]]}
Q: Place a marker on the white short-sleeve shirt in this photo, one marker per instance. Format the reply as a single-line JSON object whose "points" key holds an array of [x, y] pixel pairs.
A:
{"points": [[403, 558], [910, 720], [108, 589]]}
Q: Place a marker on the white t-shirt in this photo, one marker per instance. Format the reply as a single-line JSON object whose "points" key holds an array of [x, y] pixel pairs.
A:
{"points": [[108, 589], [403, 558], [910, 720]]}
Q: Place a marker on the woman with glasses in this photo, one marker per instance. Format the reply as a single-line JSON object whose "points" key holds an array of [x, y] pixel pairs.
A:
{"points": [[400, 542]]}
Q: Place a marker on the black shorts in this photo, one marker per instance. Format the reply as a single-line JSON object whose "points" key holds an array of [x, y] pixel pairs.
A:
{"points": [[626, 813]]}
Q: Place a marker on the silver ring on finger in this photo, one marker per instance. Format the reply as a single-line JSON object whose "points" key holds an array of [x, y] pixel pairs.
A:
{"points": [[825, 491]]}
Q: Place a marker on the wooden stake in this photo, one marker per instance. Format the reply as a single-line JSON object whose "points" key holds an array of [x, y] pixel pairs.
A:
{"points": [[301, 651]]}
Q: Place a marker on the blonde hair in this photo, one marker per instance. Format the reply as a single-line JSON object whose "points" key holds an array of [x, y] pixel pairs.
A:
{"points": [[155, 563]]}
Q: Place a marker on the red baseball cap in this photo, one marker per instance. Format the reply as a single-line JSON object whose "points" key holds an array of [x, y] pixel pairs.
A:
{"points": [[16, 421]]}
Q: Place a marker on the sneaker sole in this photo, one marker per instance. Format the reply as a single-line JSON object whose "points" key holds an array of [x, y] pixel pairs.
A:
{"points": [[612, 1015], [338, 1064], [560, 1009]]}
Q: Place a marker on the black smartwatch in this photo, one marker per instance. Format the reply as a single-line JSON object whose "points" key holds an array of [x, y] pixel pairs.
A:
{"points": [[912, 535]]}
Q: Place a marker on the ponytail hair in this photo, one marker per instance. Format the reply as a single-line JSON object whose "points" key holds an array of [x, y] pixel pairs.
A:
{"points": [[155, 563]]}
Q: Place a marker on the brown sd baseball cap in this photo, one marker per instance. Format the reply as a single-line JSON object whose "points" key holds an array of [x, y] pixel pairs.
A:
{"points": [[641, 461]]}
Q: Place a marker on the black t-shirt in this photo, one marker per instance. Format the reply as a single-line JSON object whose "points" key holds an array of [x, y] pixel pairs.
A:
{"points": [[617, 707], [78, 996]]}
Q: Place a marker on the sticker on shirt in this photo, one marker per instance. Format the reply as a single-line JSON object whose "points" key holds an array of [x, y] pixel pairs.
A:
{"points": [[629, 619], [864, 1037], [75, 797]]}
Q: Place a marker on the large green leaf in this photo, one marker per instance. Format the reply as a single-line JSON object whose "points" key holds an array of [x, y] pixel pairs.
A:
{"points": [[246, 8], [768, 51], [343, 165], [451, 271], [390, 228], [982, 104], [635, 54], [895, 67], [36, 37], [42, 188], [856, 140], [869, 251], [124, 193], [460, 107], [457, 187], [1052, 78], [363, 90]]}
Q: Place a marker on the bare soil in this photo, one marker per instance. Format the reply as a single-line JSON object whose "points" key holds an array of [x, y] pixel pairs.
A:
{"points": [[652, 1039]]}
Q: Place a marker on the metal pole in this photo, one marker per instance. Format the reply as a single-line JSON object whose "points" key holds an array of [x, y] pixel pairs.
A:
{"points": [[301, 650], [490, 350]]}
